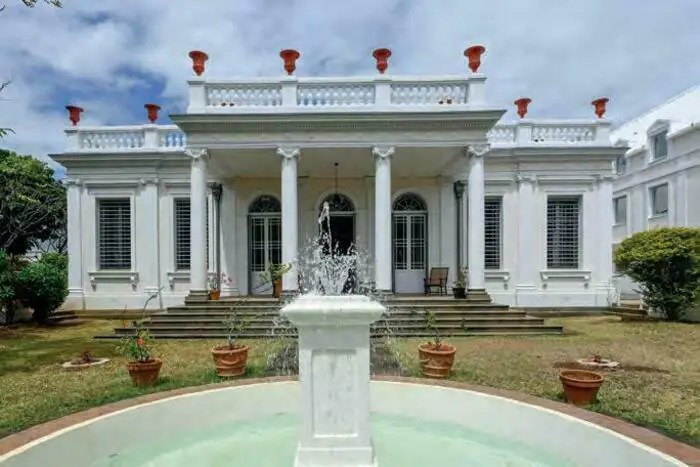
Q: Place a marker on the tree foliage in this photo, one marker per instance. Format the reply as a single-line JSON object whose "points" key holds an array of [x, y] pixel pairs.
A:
{"points": [[665, 262], [32, 204], [42, 285]]}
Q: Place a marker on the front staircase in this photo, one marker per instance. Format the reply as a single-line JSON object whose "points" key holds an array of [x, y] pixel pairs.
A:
{"points": [[406, 318]]}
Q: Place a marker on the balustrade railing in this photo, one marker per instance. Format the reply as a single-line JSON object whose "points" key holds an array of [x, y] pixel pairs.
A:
{"points": [[126, 138]]}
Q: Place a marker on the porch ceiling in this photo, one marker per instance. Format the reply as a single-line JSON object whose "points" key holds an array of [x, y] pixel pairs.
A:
{"points": [[319, 162]]}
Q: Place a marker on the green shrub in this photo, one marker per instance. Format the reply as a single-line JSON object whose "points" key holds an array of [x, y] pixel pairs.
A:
{"points": [[59, 260], [43, 286], [665, 263]]}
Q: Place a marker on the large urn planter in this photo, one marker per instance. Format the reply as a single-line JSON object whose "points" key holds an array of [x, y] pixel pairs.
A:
{"points": [[230, 361], [580, 386], [145, 374], [436, 361], [214, 294]]}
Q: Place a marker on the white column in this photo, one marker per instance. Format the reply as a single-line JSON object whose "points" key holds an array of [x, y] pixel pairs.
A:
{"points": [[606, 219], [229, 240], [525, 232], [382, 218], [476, 217], [290, 215], [198, 220], [74, 244], [147, 237]]}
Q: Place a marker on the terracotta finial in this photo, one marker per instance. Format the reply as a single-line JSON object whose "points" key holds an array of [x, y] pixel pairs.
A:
{"points": [[599, 105], [290, 57], [198, 59], [152, 111], [474, 54], [382, 56], [74, 113], [522, 104]]}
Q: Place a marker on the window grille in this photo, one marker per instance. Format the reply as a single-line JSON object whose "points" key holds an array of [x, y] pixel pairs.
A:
{"points": [[114, 233], [410, 202], [492, 232], [563, 233], [659, 200], [182, 234], [620, 208]]}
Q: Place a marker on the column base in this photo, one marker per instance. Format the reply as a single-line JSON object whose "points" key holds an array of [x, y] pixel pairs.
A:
{"points": [[478, 295], [197, 296]]}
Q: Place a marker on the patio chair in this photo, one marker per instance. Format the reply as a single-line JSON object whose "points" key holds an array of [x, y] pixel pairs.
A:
{"points": [[436, 279]]}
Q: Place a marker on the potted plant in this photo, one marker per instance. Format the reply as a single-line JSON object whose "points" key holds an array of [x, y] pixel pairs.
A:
{"points": [[580, 386], [436, 357], [143, 368], [459, 286], [274, 274], [231, 359], [214, 290]]}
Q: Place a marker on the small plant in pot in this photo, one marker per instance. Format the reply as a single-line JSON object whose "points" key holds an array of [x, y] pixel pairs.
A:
{"points": [[231, 359], [459, 286], [436, 357], [214, 289], [143, 368], [274, 275]]}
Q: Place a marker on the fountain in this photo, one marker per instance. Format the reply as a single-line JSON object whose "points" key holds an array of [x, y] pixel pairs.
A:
{"points": [[334, 416]]}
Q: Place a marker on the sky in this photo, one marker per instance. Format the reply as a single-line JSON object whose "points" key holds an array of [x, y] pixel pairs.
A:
{"points": [[112, 56]]}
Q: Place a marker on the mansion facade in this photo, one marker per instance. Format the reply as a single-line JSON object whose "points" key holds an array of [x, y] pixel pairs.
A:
{"points": [[419, 172]]}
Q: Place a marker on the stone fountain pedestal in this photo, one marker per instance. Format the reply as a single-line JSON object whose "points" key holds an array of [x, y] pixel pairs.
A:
{"points": [[334, 373]]}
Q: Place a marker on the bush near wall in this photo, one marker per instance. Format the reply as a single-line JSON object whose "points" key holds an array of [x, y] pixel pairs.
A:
{"points": [[665, 262]]}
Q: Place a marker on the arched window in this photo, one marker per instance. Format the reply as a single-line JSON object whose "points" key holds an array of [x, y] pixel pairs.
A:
{"points": [[410, 202], [338, 203], [265, 205]]}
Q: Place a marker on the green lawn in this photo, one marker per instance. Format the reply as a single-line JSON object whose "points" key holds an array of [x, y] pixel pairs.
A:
{"points": [[660, 389]]}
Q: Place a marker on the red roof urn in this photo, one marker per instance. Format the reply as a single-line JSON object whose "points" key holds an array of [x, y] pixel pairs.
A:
{"points": [[599, 105], [522, 104], [290, 57], [382, 56], [152, 111], [198, 59], [474, 54], [74, 113]]}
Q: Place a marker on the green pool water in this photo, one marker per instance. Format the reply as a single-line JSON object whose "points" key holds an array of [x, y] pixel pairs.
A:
{"points": [[271, 441]]}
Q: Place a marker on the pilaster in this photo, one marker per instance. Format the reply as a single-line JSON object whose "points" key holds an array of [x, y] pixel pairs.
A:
{"points": [[527, 268], [476, 279], [606, 219], [76, 291], [147, 236]]}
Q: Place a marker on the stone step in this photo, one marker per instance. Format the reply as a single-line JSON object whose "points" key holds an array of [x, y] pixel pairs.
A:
{"points": [[392, 320], [247, 314]]}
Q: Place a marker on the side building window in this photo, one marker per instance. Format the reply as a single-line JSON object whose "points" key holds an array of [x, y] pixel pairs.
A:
{"points": [[659, 200], [114, 233], [182, 233], [563, 232], [493, 220]]}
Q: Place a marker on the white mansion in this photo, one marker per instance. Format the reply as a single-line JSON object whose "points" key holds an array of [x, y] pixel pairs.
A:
{"points": [[416, 169]]}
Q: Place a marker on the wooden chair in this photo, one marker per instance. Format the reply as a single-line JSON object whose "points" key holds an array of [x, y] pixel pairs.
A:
{"points": [[437, 278]]}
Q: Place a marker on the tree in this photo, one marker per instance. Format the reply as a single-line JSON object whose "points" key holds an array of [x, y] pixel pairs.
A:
{"points": [[665, 263], [32, 203]]}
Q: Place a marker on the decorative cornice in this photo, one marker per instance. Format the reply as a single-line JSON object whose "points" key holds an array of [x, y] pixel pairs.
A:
{"points": [[149, 181], [197, 153], [383, 152], [289, 152], [478, 150], [525, 178]]}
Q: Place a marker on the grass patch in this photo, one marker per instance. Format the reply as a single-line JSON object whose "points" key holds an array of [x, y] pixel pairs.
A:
{"points": [[34, 388]]}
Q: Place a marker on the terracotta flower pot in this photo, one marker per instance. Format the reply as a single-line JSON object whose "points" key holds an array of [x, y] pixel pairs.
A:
{"points": [[230, 362], [382, 57], [214, 294], [152, 111], [145, 374], [580, 386], [436, 362], [522, 104], [198, 59], [599, 105], [277, 288], [290, 57], [474, 54], [74, 113]]}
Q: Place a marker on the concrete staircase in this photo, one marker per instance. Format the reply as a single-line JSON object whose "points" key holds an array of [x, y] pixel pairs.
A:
{"points": [[406, 318]]}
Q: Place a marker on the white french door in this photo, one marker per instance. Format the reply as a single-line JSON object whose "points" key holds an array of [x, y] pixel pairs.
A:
{"points": [[409, 255], [264, 247]]}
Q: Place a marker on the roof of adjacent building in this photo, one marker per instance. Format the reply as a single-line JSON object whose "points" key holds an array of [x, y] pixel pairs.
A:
{"points": [[681, 111]]}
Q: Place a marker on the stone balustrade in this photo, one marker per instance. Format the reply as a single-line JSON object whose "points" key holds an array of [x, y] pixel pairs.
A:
{"points": [[293, 94], [524, 133]]}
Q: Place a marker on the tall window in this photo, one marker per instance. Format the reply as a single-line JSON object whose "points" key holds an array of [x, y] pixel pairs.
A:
{"points": [[114, 233], [182, 233], [563, 232], [492, 232], [659, 144], [620, 209], [659, 200]]}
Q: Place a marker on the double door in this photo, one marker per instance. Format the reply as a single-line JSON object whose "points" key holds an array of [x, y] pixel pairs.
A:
{"points": [[265, 248], [409, 255]]}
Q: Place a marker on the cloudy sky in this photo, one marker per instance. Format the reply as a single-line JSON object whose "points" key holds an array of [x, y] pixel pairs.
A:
{"points": [[112, 56]]}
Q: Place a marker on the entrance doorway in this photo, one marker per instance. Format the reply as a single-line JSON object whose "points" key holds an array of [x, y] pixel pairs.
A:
{"points": [[264, 241], [410, 243]]}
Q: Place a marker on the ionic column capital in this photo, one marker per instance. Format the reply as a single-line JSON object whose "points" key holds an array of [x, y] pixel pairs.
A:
{"points": [[605, 178], [149, 181], [458, 188], [289, 152], [197, 153], [383, 152], [525, 178], [477, 150], [72, 182]]}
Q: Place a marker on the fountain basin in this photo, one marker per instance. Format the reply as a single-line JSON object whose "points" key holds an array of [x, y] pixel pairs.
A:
{"points": [[437, 420]]}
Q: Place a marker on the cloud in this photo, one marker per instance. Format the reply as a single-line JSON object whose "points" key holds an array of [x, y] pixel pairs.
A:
{"points": [[111, 56]]}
